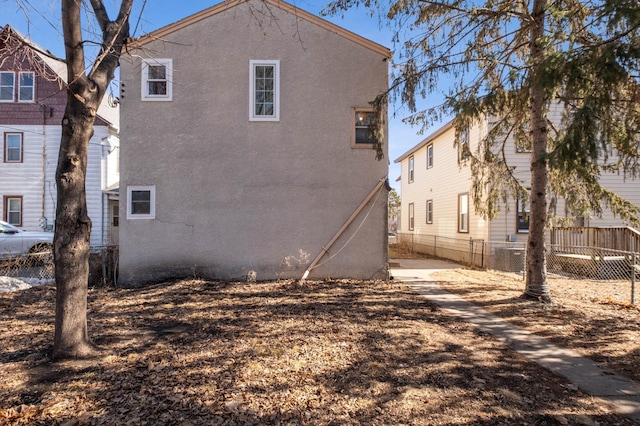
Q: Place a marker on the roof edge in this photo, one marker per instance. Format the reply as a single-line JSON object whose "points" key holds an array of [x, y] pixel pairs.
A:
{"points": [[287, 7], [425, 141]]}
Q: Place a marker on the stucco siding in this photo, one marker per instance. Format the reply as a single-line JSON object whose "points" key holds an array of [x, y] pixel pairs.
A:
{"points": [[234, 195]]}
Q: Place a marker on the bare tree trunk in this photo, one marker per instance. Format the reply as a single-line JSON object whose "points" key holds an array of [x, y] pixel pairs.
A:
{"points": [[537, 286], [73, 225]]}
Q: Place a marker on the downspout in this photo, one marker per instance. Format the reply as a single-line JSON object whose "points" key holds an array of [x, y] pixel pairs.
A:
{"points": [[344, 227]]}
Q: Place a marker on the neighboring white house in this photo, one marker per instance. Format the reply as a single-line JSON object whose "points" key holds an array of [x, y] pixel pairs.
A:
{"points": [[247, 148], [436, 193], [32, 103]]}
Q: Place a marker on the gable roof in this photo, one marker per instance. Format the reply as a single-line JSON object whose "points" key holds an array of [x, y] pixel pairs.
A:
{"points": [[58, 70], [425, 141], [289, 8]]}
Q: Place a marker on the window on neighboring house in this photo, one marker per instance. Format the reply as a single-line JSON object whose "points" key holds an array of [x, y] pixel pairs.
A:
{"points": [[429, 211], [26, 87], [429, 156], [463, 146], [463, 213], [7, 86], [265, 90], [13, 210], [523, 138], [411, 217], [13, 147], [523, 216], [157, 80], [141, 202], [411, 169], [362, 137]]}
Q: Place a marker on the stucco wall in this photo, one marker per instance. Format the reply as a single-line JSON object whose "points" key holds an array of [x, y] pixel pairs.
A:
{"points": [[234, 195]]}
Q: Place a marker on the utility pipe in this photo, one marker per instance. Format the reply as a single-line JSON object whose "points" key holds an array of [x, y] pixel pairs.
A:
{"points": [[341, 231]]}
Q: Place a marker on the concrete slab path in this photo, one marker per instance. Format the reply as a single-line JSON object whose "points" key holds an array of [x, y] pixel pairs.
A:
{"points": [[620, 392]]}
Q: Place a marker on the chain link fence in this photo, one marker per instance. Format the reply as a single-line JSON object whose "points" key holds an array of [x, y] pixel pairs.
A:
{"points": [[38, 269], [571, 262]]}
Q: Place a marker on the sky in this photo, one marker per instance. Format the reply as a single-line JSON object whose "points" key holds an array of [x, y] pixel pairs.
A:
{"points": [[44, 28]]}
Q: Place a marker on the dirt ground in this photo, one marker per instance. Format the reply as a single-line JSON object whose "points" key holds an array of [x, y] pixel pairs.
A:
{"points": [[197, 352]]}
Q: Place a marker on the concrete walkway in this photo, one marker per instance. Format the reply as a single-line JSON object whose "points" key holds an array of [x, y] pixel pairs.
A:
{"points": [[622, 394]]}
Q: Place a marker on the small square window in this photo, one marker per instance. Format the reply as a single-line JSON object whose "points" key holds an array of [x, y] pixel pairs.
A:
{"points": [[13, 147], [7, 86], [265, 90], [141, 202], [26, 87], [157, 76]]}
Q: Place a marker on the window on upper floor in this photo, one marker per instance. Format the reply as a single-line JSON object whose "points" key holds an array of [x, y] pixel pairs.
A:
{"points": [[429, 156], [463, 212], [26, 86], [411, 216], [13, 210], [463, 146], [429, 211], [7, 86], [362, 135], [265, 90], [411, 169], [13, 147], [141, 202], [157, 79]]}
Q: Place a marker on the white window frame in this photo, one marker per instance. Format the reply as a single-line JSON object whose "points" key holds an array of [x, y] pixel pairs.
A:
{"points": [[33, 87], [6, 147], [152, 199], [13, 86], [412, 217], [429, 156], [429, 212], [168, 64], [276, 89], [463, 213], [520, 218], [411, 169]]}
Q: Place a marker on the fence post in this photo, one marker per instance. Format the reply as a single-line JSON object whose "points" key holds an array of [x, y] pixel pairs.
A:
{"points": [[633, 280]]}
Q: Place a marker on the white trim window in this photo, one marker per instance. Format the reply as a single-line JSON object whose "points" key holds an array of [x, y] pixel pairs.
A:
{"points": [[429, 211], [463, 213], [13, 147], [429, 156], [523, 214], [13, 210], [411, 216], [157, 79], [26, 86], [7, 86], [411, 169], [264, 89], [141, 202]]}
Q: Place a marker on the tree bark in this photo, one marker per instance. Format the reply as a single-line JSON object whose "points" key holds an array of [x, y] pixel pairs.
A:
{"points": [[537, 286], [73, 225]]}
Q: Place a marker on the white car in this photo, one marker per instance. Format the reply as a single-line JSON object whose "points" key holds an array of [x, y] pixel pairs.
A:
{"points": [[16, 242]]}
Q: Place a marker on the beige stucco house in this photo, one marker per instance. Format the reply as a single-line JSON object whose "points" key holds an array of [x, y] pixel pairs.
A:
{"points": [[437, 202], [245, 148]]}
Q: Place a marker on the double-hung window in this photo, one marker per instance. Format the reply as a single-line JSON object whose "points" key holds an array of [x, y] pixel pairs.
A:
{"points": [[265, 90], [362, 136], [157, 80], [13, 147], [463, 212], [429, 156], [429, 211], [141, 202], [411, 216], [463, 146], [7, 86], [13, 210], [411, 169], [26, 86], [523, 216]]}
